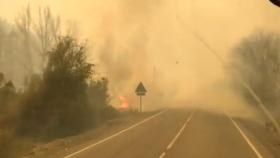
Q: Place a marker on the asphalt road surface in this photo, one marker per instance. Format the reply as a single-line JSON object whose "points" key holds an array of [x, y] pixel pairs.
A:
{"points": [[178, 133]]}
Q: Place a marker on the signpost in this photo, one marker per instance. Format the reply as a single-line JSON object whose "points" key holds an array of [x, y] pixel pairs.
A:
{"points": [[140, 91]]}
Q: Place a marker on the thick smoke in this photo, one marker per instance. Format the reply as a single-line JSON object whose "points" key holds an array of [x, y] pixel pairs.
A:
{"points": [[137, 41]]}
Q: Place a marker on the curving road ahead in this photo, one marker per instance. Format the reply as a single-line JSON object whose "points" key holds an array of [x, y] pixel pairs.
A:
{"points": [[179, 133]]}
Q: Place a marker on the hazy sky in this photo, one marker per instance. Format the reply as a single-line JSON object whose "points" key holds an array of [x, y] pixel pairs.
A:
{"points": [[234, 16], [152, 40]]}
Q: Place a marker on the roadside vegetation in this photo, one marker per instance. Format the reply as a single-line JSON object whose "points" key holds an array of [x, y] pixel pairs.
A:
{"points": [[56, 92], [256, 60]]}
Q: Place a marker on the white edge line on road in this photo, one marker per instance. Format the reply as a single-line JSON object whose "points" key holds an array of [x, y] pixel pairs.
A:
{"points": [[180, 132], [246, 138], [162, 155], [114, 135]]}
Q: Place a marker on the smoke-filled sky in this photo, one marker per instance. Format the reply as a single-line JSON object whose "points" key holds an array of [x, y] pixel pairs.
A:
{"points": [[152, 40]]}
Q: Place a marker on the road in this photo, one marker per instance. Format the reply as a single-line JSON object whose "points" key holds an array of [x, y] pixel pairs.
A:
{"points": [[178, 133]]}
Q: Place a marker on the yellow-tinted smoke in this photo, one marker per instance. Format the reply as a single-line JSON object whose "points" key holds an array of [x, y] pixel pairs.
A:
{"points": [[143, 40]]}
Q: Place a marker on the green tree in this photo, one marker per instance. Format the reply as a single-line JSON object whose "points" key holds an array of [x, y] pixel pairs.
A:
{"points": [[99, 100], [61, 107]]}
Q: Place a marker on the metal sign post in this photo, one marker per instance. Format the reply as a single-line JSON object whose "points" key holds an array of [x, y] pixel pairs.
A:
{"points": [[140, 91], [140, 108]]}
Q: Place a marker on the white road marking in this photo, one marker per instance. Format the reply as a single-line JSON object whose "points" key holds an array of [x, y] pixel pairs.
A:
{"points": [[115, 135], [180, 132], [258, 154], [162, 155]]}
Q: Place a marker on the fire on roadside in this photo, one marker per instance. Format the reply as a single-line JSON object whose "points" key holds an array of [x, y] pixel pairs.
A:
{"points": [[124, 106]]}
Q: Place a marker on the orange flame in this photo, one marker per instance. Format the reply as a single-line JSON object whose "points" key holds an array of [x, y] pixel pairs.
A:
{"points": [[124, 103]]}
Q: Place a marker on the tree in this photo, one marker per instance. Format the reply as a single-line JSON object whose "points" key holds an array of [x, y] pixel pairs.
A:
{"points": [[12, 52], [99, 100], [61, 107], [36, 38], [24, 45], [47, 30], [1, 78], [23, 23], [7, 94], [65, 81], [256, 60]]}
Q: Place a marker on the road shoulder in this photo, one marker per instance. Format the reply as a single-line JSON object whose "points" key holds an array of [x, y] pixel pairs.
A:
{"points": [[266, 139], [61, 147]]}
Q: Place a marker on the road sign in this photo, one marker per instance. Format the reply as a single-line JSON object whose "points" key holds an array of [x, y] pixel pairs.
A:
{"points": [[276, 2], [140, 91]]}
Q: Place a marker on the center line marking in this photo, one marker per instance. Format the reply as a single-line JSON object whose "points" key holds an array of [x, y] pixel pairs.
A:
{"points": [[259, 155], [180, 132], [114, 135]]}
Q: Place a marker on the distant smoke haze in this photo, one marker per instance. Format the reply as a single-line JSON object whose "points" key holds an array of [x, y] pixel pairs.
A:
{"points": [[134, 41]]}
